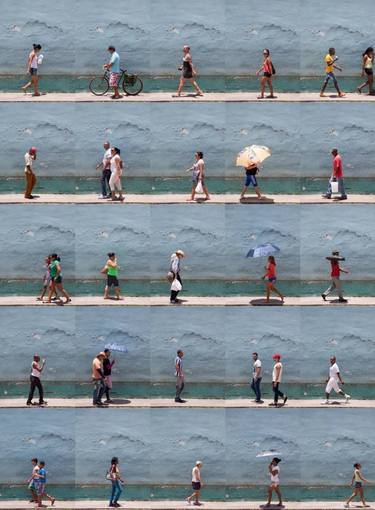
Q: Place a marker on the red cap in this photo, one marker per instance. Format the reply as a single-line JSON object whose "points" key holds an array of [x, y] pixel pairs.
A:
{"points": [[32, 150], [276, 356]]}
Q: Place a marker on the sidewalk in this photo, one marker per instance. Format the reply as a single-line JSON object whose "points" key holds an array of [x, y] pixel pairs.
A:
{"points": [[176, 505], [166, 97], [191, 301], [181, 198], [158, 403]]}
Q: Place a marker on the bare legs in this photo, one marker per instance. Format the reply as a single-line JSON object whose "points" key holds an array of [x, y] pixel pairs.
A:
{"points": [[34, 82], [192, 82], [117, 293], [192, 197], [195, 496], [256, 189], [275, 488], [271, 288], [369, 82], [358, 491], [266, 80]]}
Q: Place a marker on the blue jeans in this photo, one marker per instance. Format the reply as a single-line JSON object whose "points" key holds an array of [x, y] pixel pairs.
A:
{"points": [[104, 181], [255, 386], [116, 491], [99, 388], [340, 180]]}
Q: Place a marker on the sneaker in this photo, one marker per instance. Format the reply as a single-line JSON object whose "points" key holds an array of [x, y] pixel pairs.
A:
{"points": [[108, 401], [272, 404], [344, 197], [179, 400], [285, 399], [259, 401], [323, 297], [347, 397], [112, 505], [326, 196]]}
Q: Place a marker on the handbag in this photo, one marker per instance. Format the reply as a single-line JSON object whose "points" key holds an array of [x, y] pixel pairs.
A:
{"points": [[334, 187], [108, 476], [170, 276], [199, 188], [176, 285]]}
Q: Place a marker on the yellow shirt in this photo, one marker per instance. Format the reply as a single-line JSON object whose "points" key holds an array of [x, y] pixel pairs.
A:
{"points": [[329, 63]]}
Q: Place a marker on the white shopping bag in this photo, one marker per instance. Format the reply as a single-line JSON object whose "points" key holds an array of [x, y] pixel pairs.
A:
{"points": [[176, 285], [199, 188], [334, 187]]}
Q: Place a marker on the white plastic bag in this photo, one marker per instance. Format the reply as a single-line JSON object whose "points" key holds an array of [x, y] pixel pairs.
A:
{"points": [[40, 59], [176, 285], [199, 188], [334, 187]]}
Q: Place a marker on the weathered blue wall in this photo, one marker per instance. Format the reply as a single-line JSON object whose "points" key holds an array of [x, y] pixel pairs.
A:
{"points": [[226, 37], [215, 239], [230, 442], [161, 139], [218, 342]]}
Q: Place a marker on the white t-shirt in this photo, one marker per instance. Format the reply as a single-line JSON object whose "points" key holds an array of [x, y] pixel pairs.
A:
{"points": [[114, 162], [195, 474], [106, 157], [35, 369], [257, 364], [333, 371], [275, 478], [28, 161], [274, 375], [178, 363]]}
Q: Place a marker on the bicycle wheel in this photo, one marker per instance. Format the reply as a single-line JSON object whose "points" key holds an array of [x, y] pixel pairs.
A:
{"points": [[99, 85], [132, 85]]}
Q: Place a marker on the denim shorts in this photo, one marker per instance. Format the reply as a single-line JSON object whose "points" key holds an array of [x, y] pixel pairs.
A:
{"points": [[33, 71], [251, 179]]}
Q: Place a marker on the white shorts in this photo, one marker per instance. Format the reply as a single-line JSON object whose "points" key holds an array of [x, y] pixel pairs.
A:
{"points": [[115, 182], [333, 384]]}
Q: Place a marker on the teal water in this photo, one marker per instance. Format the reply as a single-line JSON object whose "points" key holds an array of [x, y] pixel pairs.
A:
{"points": [[131, 390], [191, 287], [160, 185], [51, 83], [180, 492]]}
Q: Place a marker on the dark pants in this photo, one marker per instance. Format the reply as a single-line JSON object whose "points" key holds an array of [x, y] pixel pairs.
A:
{"points": [[116, 491], [99, 388], [180, 384], [35, 383], [104, 181], [174, 293], [276, 392], [255, 386]]}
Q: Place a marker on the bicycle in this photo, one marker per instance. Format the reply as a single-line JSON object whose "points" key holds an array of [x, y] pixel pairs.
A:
{"points": [[132, 85]]}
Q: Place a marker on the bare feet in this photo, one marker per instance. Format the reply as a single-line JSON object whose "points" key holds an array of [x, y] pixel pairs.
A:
{"points": [[322, 94], [342, 94]]}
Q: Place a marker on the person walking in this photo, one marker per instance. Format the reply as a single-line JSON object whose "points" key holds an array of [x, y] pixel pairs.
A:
{"points": [[268, 70], [251, 170], [32, 68], [107, 372], [357, 481], [367, 70], [35, 382], [337, 176], [105, 165], [40, 484], [56, 279], [188, 72], [196, 482], [334, 380], [116, 173], [198, 170], [330, 60], [98, 379], [257, 378], [115, 476], [277, 373], [274, 486], [180, 376], [111, 270], [46, 278], [113, 66], [270, 278], [30, 176], [31, 486], [336, 270], [174, 276]]}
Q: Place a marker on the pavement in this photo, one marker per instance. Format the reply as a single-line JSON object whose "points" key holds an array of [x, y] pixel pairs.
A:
{"points": [[180, 198], [15, 403], [167, 97], [176, 505], [191, 301]]}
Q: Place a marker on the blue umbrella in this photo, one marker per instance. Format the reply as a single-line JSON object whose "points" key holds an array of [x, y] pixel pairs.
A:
{"points": [[263, 250], [116, 347]]}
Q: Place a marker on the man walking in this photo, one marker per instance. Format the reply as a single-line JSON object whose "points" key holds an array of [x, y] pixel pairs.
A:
{"points": [[105, 164], [35, 382], [257, 378], [335, 277], [196, 482], [113, 67], [337, 176], [30, 176], [98, 379], [330, 60], [276, 380], [174, 275], [107, 371], [180, 377], [333, 381]]}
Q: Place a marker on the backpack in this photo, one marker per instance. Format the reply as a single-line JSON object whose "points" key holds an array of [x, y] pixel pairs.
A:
{"points": [[273, 68]]}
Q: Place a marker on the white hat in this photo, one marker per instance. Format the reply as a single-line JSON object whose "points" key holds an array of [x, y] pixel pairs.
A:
{"points": [[198, 463], [180, 252]]}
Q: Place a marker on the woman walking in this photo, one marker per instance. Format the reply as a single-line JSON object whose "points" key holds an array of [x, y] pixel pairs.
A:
{"points": [[198, 169], [32, 68], [188, 72], [116, 173], [251, 170], [367, 69], [115, 477], [174, 276], [111, 270], [268, 70], [270, 278], [274, 486], [56, 279], [357, 482]]}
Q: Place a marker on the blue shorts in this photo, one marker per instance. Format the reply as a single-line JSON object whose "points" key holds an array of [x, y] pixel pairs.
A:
{"points": [[33, 71], [271, 280], [251, 179]]}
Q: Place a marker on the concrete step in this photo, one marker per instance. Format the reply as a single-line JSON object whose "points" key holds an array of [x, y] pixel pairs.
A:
{"points": [[15, 403], [166, 97], [192, 301], [179, 198]]}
